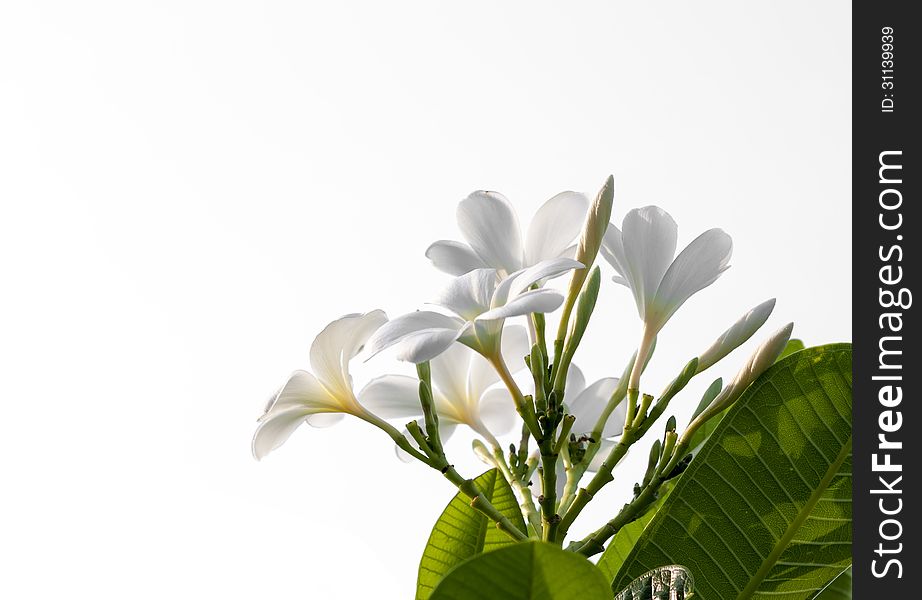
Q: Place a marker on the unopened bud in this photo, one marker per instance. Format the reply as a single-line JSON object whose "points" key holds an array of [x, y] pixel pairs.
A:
{"points": [[736, 335], [481, 451], [763, 357], [590, 240]]}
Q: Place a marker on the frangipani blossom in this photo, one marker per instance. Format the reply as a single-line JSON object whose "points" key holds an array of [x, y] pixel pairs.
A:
{"points": [[643, 253], [489, 224], [481, 302], [321, 398], [463, 390]]}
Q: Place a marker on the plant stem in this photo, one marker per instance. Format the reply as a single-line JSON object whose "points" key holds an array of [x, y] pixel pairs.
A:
{"points": [[565, 428], [469, 489], [601, 478], [524, 408], [574, 474], [595, 542], [528, 504], [402, 442], [438, 461], [633, 385]]}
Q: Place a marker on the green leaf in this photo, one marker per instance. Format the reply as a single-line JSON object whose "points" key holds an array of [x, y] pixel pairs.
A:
{"points": [[462, 532], [839, 589], [792, 346], [621, 545], [525, 571], [765, 507]]}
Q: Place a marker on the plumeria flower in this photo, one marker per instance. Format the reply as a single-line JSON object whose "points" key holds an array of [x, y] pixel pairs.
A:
{"points": [[481, 302], [322, 398], [494, 239], [463, 390], [643, 254]]}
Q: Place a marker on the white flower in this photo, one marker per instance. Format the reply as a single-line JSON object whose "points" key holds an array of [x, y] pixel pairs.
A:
{"points": [[489, 224], [642, 253], [738, 333], [322, 398], [481, 302], [463, 390]]}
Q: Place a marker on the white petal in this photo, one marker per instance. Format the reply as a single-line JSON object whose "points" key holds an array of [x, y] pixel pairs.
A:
{"points": [[537, 301], [302, 390], [614, 426], [568, 252], [576, 382], [497, 411], [450, 371], [587, 407], [522, 280], [649, 236], [275, 428], [612, 250], [392, 397], [605, 447], [395, 331], [555, 226], [454, 258], [736, 335], [426, 345], [469, 295], [322, 420], [481, 376], [696, 267], [489, 224], [515, 347], [337, 344]]}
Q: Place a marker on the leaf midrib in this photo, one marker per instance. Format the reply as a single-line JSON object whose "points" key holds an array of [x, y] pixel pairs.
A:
{"points": [[756, 580]]}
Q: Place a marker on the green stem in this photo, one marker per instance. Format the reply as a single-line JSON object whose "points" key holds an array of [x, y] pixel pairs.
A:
{"points": [[574, 474], [479, 502], [402, 442], [595, 542], [599, 480], [521, 404], [564, 434], [528, 504], [439, 462]]}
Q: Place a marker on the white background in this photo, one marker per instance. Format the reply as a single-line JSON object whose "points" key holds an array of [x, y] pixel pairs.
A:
{"points": [[190, 191]]}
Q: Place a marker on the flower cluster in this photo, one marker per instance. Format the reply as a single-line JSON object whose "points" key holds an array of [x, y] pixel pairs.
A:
{"points": [[473, 361]]}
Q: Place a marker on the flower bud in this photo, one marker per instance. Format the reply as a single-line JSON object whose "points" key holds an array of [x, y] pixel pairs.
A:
{"points": [[481, 451], [590, 240], [736, 335], [596, 224], [763, 357]]}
